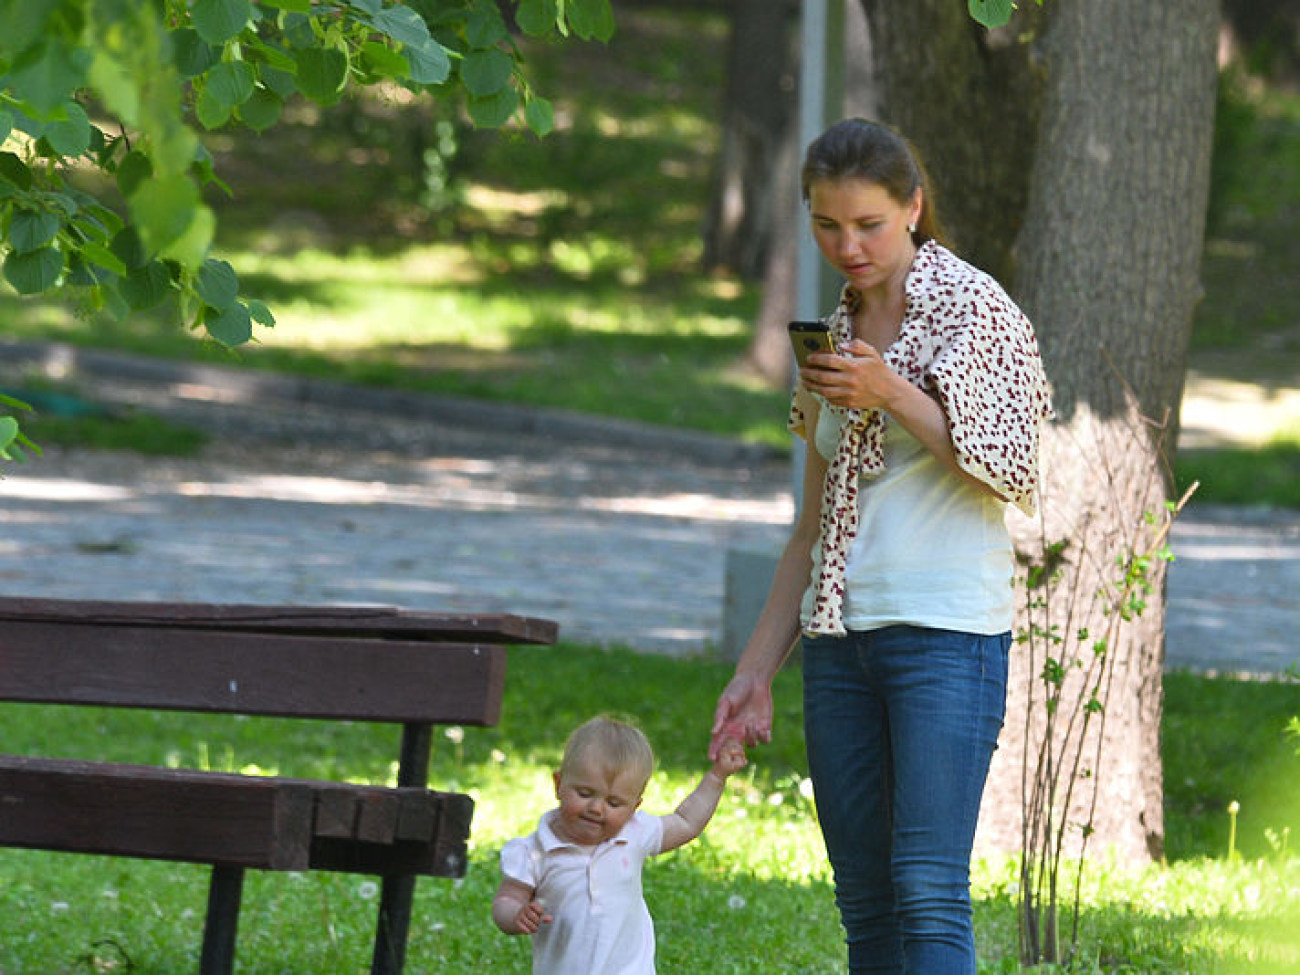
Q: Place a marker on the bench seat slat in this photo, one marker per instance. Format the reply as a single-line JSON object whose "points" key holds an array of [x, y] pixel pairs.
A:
{"points": [[358, 621], [152, 813], [266, 823], [282, 675]]}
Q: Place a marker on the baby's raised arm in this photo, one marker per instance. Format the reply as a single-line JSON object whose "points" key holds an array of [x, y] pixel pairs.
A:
{"points": [[695, 811], [515, 911]]}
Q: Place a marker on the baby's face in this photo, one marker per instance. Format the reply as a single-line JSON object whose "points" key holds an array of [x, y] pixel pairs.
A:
{"points": [[595, 807]]}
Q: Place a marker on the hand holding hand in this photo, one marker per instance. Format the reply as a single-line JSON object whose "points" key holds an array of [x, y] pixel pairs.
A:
{"points": [[731, 758], [744, 714]]}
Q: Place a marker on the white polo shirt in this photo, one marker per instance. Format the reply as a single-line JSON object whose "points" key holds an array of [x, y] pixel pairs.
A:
{"points": [[601, 923]]}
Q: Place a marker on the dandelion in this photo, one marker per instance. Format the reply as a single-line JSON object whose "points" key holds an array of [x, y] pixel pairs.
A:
{"points": [[775, 799], [455, 734], [368, 890], [59, 907], [498, 756], [735, 902]]}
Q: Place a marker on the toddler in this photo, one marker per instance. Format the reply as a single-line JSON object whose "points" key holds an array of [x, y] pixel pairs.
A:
{"points": [[575, 883]]}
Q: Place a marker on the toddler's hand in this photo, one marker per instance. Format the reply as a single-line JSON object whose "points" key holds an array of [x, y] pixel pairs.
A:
{"points": [[531, 917], [731, 757]]}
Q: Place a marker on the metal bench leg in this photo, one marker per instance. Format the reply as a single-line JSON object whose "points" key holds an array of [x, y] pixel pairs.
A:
{"points": [[394, 924], [399, 889], [224, 893]]}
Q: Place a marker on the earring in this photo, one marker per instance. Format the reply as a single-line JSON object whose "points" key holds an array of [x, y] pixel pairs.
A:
{"points": [[911, 228]]}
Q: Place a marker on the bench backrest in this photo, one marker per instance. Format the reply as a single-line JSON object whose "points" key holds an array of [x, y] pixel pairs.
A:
{"points": [[366, 663]]}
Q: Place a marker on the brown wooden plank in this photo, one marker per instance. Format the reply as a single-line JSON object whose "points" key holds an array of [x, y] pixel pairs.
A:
{"points": [[154, 813], [336, 813], [417, 816], [377, 816], [361, 621], [444, 854], [251, 673]]}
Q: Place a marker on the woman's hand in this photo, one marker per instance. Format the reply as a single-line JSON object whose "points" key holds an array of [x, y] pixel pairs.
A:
{"points": [[857, 378], [744, 714]]}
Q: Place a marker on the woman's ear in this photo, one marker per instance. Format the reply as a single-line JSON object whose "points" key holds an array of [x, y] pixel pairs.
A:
{"points": [[555, 777]]}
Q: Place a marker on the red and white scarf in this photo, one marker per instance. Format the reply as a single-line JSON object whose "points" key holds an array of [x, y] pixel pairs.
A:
{"points": [[965, 342]]}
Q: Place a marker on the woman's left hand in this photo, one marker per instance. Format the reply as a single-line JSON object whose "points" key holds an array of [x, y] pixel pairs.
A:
{"points": [[856, 378]]}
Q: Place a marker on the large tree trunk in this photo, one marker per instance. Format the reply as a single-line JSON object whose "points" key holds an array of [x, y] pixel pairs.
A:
{"points": [[1075, 168], [758, 103], [1108, 268]]}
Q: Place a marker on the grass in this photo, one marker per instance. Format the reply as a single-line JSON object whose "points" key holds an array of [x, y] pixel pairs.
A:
{"points": [[1267, 474], [565, 272], [754, 887]]}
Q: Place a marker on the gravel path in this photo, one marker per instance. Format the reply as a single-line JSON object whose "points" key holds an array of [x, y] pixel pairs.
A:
{"points": [[618, 533]]}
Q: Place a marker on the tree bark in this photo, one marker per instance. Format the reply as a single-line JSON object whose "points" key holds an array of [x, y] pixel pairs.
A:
{"points": [[1108, 269], [967, 99], [769, 350], [1074, 167], [758, 105]]}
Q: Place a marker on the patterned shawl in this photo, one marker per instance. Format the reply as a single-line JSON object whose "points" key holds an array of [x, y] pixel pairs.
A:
{"points": [[965, 342]]}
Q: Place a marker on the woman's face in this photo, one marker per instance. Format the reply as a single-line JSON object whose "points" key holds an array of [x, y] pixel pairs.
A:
{"points": [[862, 231]]}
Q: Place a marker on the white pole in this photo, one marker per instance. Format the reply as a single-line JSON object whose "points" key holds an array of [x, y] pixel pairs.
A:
{"points": [[821, 101]]}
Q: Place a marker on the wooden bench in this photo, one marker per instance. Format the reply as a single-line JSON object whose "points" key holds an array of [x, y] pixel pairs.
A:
{"points": [[373, 664]]}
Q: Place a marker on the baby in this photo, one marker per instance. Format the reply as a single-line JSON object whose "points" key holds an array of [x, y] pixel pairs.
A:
{"points": [[575, 883]]}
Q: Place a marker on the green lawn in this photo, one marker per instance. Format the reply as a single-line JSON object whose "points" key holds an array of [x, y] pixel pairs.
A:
{"points": [[755, 887]]}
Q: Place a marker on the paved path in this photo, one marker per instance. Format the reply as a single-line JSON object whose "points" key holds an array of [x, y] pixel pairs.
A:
{"points": [[619, 536]]}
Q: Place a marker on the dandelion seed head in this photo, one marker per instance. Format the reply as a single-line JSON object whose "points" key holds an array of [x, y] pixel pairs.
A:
{"points": [[367, 890], [735, 902]]}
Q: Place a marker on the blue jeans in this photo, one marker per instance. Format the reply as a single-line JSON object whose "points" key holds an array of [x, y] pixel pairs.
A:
{"points": [[901, 724]]}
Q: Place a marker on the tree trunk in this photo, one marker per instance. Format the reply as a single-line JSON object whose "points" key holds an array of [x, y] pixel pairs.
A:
{"points": [[769, 350], [967, 98], [758, 104], [1075, 168], [1108, 269]]}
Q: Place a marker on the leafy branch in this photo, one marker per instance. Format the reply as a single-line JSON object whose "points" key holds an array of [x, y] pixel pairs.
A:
{"points": [[128, 89]]}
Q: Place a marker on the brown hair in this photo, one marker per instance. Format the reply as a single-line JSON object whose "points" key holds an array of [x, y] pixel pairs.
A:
{"points": [[609, 746], [856, 148]]}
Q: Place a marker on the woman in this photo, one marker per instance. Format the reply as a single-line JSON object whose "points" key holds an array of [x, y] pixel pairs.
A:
{"points": [[924, 426]]}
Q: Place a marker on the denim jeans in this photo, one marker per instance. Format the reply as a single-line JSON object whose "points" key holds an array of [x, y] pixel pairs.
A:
{"points": [[901, 724]]}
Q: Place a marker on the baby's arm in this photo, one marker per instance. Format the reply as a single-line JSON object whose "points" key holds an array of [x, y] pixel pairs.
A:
{"points": [[515, 911], [695, 811]]}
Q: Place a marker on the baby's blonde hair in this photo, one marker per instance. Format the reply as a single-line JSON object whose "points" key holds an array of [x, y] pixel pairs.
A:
{"points": [[609, 746]]}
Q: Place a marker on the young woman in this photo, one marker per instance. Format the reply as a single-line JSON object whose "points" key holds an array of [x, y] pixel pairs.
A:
{"points": [[922, 427]]}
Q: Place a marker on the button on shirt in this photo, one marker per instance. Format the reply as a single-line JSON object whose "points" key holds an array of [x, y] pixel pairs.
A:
{"points": [[601, 923]]}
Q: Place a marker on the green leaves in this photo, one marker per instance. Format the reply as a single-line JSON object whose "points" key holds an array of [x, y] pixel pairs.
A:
{"points": [[322, 74], [34, 271], [32, 229], [217, 21], [589, 19], [993, 13], [162, 70]]}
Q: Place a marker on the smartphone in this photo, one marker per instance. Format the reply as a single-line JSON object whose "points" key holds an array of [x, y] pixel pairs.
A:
{"points": [[809, 337]]}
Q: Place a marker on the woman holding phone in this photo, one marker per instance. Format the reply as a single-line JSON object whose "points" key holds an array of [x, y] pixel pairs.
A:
{"points": [[923, 425]]}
